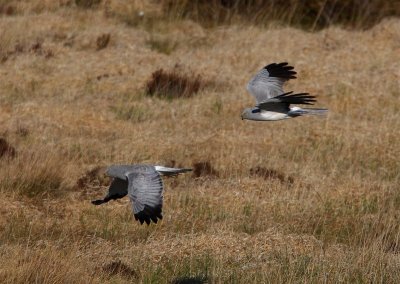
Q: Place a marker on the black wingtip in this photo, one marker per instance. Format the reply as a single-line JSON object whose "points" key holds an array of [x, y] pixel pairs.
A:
{"points": [[281, 70], [148, 215], [299, 98]]}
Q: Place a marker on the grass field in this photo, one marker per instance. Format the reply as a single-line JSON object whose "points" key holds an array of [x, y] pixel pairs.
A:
{"points": [[308, 200]]}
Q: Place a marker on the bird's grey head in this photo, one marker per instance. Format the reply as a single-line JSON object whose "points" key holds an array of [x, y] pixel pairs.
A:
{"points": [[250, 113]]}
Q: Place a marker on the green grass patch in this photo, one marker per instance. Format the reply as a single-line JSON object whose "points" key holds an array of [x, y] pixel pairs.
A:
{"points": [[129, 112], [162, 45]]}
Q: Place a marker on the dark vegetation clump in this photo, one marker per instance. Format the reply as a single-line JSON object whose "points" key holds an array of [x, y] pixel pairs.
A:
{"points": [[22, 131], [35, 48], [87, 3], [93, 177], [314, 14], [204, 169], [102, 41], [171, 163], [119, 268], [271, 174], [6, 9], [6, 150], [172, 84]]}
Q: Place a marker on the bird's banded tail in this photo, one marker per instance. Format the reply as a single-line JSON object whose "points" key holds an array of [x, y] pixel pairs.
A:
{"points": [[296, 111], [316, 111], [165, 171]]}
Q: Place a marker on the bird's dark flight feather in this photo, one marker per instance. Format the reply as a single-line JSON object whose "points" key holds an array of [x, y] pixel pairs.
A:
{"points": [[281, 70]]}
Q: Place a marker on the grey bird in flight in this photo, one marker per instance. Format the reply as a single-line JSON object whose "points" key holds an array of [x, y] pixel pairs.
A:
{"points": [[143, 185], [272, 103]]}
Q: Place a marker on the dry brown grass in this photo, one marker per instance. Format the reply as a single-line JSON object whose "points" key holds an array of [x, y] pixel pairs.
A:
{"points": [[204, 169], [321, 203]]}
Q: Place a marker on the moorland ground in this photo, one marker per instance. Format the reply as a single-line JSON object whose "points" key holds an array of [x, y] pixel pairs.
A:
{"points": [[304, 200]]}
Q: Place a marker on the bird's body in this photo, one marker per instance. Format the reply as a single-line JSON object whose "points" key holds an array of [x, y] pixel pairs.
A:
{"points": [[263, 115], [144, 186], [272, 103], [257, 114]]}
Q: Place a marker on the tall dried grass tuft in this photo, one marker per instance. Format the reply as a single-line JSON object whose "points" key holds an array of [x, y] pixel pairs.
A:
{"points": [[162, 45], [129, 112], [270, 174], [42, 265], [33, 174], [204, 168], [93, 177], [172, 84], [119, 268]]}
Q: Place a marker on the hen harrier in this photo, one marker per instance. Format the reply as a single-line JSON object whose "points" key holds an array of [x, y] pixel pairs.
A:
{"points": [[143, 185], [272, 102]]}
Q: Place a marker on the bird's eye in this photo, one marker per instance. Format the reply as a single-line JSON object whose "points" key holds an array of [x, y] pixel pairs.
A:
{"points": [[255, 110]]}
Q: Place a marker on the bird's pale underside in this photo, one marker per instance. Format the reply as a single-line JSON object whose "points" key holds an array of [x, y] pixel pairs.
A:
{"points": [[272, 103], [143, 185]]}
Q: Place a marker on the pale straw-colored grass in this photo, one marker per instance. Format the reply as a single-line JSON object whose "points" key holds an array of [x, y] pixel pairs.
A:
{"points": [[335, 220]]}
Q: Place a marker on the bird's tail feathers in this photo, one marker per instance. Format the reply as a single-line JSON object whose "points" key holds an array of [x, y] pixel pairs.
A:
{"points": [[296, 111], [171, 171], [316, 111]]}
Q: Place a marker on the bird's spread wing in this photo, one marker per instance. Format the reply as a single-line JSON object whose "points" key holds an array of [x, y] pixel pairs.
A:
{"points": [[281, 103], [268, 83], [145, 191]]}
